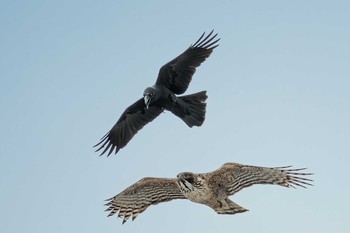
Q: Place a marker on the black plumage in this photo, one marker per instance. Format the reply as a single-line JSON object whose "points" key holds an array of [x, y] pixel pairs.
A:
{"points": [[173, 78]]}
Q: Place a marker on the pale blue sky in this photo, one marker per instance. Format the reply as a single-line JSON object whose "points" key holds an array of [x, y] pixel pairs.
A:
{"points": [[278, 89]]}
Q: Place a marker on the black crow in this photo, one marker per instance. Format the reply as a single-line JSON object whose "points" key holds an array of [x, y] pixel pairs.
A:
{"points": [[173, 78]]}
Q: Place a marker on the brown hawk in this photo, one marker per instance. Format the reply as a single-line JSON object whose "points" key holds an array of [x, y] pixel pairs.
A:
{"points": [[211, 189]]}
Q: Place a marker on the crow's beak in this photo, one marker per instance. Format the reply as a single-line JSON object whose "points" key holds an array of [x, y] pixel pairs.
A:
{"points": [[147, 100]]}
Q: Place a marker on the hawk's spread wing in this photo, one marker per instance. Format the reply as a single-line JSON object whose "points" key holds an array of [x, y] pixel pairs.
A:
{"points": [[177, 74], [147, 191], [131, 121], [234, 177]]}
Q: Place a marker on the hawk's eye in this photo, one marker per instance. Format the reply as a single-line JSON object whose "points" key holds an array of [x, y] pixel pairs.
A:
{"points": [[190, 179]]}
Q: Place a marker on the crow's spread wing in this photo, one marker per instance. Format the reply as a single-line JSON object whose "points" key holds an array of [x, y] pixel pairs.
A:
{"points": [[131, 121], [177, 74]]}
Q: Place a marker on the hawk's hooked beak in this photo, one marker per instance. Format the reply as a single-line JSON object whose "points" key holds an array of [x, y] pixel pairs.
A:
{"points": [[180, 176], [184, 183], [147, 100]]}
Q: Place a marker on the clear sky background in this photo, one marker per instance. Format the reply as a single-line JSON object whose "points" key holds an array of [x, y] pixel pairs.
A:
{"points": [[278, 89]]}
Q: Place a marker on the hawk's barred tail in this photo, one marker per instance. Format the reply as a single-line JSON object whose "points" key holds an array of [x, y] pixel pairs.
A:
{"points": [[229, 207], [191, 108]]}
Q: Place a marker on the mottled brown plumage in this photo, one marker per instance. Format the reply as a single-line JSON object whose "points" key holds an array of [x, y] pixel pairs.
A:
{"points": [[211, 189]]}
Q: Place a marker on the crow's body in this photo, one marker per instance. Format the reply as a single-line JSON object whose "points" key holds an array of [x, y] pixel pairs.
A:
{"points": [[173, 79]]}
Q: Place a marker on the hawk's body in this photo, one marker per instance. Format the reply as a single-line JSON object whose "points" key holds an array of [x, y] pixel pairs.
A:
{"points": [[211, 189]]}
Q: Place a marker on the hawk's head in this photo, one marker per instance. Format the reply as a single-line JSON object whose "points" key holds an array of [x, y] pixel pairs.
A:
{"points": [[189, 181]]}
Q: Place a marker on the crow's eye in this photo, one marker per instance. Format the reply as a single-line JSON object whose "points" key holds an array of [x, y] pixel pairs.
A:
{"points": [[150, 94]]}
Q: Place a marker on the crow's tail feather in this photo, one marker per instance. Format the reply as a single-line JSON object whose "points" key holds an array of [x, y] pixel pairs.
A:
{"points": [[191, 108]]}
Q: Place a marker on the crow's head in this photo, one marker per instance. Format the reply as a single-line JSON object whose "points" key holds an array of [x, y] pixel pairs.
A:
{"points": [[149, 96]]}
